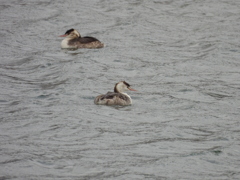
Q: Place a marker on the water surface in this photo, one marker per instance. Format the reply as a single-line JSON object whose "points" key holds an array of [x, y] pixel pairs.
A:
{"points": [[181, 56]]}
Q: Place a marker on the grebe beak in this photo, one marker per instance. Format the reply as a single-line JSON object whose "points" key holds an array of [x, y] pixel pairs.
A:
{"points": [[132, 89], [64, 35]]}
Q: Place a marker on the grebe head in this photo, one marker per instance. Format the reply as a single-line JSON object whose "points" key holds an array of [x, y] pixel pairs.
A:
{"points": [[71, 33], [122, 86]]}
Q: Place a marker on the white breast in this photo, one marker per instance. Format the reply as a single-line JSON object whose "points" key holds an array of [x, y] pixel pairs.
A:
{"points": [[128, 96], [64, 43]]}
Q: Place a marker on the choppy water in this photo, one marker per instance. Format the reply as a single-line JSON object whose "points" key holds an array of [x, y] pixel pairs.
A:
{"points": [[183, 57]]}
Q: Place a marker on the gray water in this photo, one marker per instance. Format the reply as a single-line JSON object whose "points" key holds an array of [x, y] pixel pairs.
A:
{"points": [[183, 57]]}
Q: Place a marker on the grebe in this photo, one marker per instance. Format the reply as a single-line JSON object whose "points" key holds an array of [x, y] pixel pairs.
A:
{"points": [[118, 97], [74, 40]]}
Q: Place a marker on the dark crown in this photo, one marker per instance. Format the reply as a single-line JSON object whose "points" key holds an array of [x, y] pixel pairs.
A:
{"points": [[69, 31], [126, 83]]}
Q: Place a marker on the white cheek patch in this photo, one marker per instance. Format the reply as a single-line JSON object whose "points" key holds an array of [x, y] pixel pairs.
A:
{"points": [[75, 32]]}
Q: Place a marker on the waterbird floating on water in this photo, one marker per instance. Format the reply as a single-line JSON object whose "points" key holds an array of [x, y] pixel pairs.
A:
{"points": [[74, 40], [118, 97]]}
